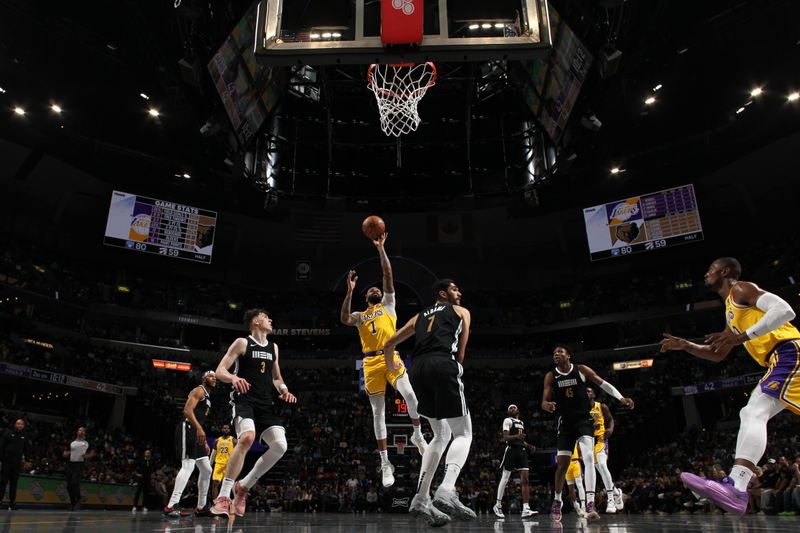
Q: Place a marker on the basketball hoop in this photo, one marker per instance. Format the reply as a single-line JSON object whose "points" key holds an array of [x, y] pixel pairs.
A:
{"points": [[398, 88], [401, 448]]}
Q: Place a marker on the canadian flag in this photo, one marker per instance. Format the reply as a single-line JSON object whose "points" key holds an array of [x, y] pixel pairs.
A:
{"points": [[401, 21], [450, 228]]}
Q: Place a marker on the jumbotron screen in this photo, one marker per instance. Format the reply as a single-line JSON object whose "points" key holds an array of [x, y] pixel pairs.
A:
{"points": [[643, 223], [160, 227]]}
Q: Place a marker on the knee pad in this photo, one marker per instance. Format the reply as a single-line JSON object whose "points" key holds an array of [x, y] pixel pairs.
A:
{"points": [[275, 438]]}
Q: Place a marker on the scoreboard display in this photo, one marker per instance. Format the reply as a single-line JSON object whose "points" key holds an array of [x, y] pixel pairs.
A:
{"points": [[160, 227], [643, 223]]}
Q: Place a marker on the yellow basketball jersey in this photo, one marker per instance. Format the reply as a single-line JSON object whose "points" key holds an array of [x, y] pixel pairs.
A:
{"points": [[599, 420], [375, 327], [224, 447], [740, 318]]}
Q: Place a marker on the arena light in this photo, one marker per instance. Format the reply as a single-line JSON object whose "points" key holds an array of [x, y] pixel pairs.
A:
{"points": [[755, 92], [486, 26], [56, 108], [153, 112], [326, 35], [739, 110], [315, 36], [474, 26], [336, 35], [650, 100], [19, 111], [144, 96], [657, 88], [2, 91], [616, 170], [793, 97], [499, 25], [187, 175]]}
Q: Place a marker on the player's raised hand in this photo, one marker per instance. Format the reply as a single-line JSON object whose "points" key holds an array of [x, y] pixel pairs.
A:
{"points": [[380, 241], [287, 397], [670, 343], [240, 385], [550, 407], [627, 402], [391, 364], [351, 280]]}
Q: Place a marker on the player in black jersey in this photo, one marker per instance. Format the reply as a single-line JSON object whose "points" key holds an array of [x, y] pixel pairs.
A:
{"points": [[441, 332], [255, 377], [565, 395], [192, 447], [515, 459]]}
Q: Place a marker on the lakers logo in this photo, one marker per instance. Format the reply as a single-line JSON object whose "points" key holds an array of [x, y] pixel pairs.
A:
{"points": [[773, 385], [624, 211]]}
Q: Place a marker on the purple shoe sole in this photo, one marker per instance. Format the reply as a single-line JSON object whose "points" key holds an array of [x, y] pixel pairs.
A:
{"points": [[723, 495]]}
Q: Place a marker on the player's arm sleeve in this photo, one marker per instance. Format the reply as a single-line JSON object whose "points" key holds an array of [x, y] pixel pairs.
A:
{"points": [[777, 312], [507, 424], [389, 303]]}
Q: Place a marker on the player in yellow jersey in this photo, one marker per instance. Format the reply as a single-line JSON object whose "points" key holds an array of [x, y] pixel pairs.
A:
{"points": [[761, 321], [376, 324], [219, 458], [574, 479], [603, 429]]}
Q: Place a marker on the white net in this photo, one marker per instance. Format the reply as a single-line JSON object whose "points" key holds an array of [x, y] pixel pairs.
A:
{"points": [[398, 90]]}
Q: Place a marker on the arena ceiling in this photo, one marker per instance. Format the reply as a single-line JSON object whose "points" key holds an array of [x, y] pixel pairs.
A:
{"points": [[96, 59]]}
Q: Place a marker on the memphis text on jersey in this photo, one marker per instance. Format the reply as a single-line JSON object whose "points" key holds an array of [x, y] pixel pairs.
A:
{"points": [[261, 355], [567, 383]]}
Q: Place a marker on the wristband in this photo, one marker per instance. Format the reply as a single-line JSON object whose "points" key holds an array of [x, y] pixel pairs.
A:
{"points": [[283, 388]]}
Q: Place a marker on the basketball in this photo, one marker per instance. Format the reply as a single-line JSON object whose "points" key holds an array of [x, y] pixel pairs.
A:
{"points": [[373, 227]]}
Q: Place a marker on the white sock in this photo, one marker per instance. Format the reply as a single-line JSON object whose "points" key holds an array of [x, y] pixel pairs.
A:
{"points": [[557, 497], [225, 488], [525, 506], [203, 481], [187, 467], [451, 471], [741, 476], [384, 456]]}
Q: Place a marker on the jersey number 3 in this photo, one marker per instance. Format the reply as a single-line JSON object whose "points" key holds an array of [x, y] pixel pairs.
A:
{"points": [[263, 367]]}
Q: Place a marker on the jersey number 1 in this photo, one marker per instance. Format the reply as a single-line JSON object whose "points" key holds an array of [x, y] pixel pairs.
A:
{"points": [[372, 326]]}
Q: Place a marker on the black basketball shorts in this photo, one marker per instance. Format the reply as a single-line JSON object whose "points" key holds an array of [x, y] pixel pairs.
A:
{"points": [[436, 380], [571, 429], [186, 444], [514, 458], [262, 414]]}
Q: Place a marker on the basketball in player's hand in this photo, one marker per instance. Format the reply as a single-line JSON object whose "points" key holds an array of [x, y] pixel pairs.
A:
{"points": [[373, 227]]}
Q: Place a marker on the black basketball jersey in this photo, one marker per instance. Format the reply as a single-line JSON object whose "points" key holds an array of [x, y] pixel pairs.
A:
{"points": [[571, 398], [202, 408], [437, 330], [255, 366], [514, 427]]}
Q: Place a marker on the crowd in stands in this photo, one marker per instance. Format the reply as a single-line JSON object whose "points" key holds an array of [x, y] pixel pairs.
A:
{"points": [[331, 462]]}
